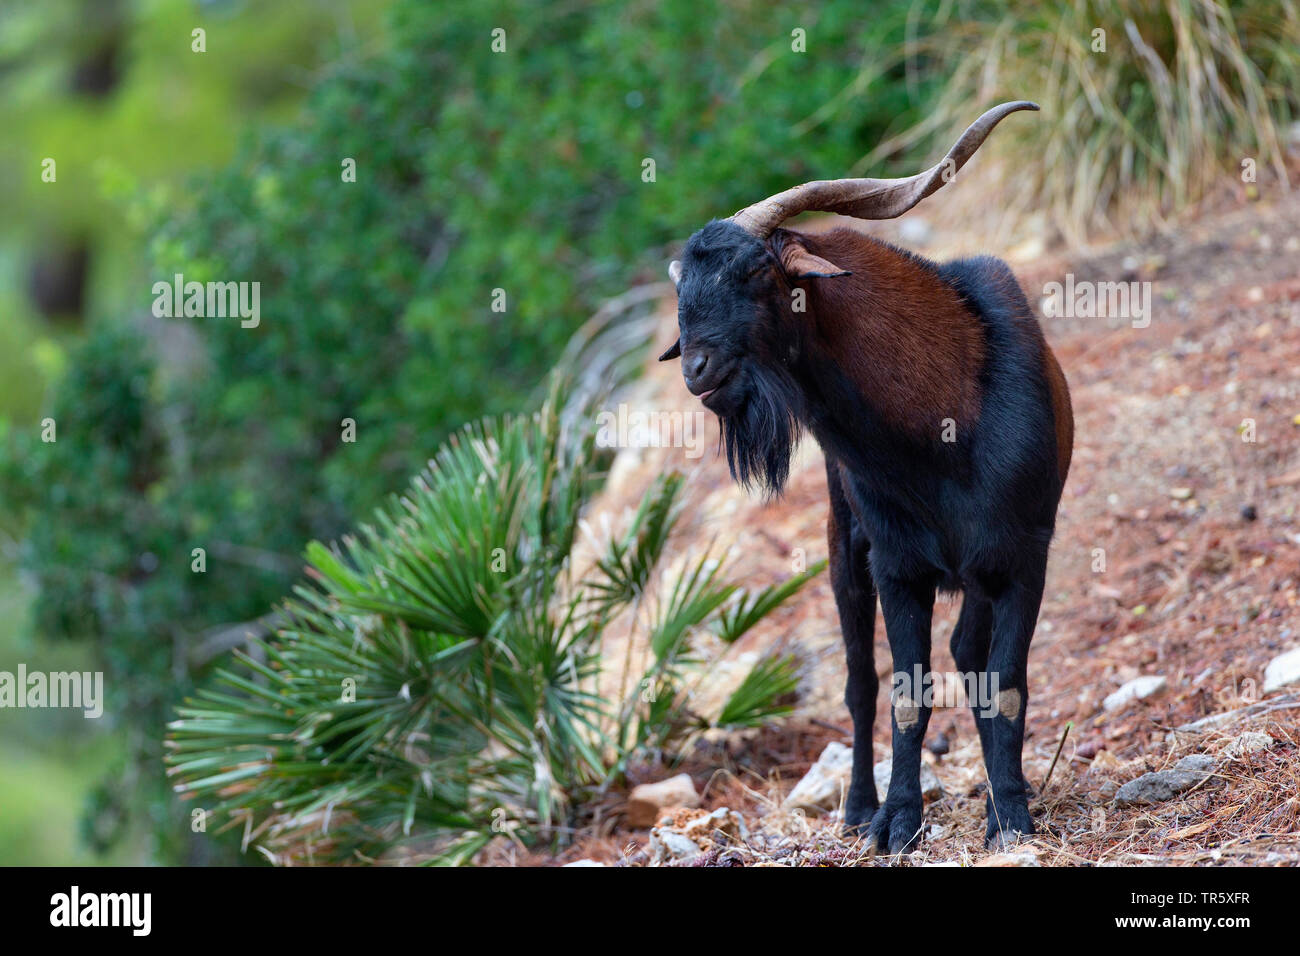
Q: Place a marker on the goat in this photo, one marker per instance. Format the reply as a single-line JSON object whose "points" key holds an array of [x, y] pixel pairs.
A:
{"points": [[947, 430]]}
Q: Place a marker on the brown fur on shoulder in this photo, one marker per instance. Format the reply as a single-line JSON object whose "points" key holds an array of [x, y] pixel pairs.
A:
{"points": [[907, 340]]}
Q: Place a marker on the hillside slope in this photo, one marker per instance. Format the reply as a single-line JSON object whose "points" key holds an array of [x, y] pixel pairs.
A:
{"points": [[1200, 531]]}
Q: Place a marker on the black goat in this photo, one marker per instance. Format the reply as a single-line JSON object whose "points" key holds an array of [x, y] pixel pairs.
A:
{"points": [[947, 429]]}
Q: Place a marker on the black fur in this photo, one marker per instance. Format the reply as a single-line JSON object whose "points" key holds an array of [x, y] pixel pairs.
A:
{"points": [[762, 408], [911, 515], [761, 436]]}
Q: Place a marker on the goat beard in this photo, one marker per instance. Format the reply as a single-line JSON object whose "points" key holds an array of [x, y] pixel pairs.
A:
{"points": [[761, 436]]}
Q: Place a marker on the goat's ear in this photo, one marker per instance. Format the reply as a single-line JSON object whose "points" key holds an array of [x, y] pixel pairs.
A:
{"points": [[799, 263], [675, 272], [674, 351]]}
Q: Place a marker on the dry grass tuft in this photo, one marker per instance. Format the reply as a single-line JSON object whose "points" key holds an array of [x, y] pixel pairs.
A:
{"points": [[1183, 93]]}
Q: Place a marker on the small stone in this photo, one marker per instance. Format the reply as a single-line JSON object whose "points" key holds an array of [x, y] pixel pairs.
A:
{"points": [[822, 785], [669, 845], [1249, 513], [645, 801], [1282, 671], [583, 863], [1139, 688], [1181, 494], [721, 826], [930, 786], [939, 745], [1162, 785], [1248, 743], [692, 832], [1010, 859], [1195, 763]]}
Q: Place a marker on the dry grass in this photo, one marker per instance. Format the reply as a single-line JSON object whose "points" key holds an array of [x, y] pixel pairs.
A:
{"points": [[1183, 93], [1246, 813]]}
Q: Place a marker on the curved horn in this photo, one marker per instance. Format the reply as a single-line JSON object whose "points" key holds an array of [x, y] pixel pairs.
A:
{"points": [[872, 198]]}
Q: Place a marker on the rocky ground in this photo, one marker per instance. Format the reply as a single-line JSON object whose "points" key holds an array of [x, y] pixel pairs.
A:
{"points": [[1173, 597]]}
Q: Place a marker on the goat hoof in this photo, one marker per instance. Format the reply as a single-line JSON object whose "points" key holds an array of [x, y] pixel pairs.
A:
{"points": [[858, 818], [1017, 825], [895, 829]]}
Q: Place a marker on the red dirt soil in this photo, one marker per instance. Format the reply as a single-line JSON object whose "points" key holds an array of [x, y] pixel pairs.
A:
{"points": [[1200, 530]]}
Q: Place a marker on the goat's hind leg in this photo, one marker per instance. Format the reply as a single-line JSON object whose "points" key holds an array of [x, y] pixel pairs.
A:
{"points": [[1015, 614], [971, 639], [855, 599], [970, 652]]}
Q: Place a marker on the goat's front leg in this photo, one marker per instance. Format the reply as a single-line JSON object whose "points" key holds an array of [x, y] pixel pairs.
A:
{"points": [[1015, 613], [855, 599], [908, 606]]}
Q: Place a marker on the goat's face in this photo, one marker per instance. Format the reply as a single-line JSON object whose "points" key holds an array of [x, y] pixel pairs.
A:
{"points": [[724, 283], [737, 342]]}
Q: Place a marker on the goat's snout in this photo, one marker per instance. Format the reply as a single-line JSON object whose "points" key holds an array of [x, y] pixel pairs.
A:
{"points": [[694, 364], [706, 370]]}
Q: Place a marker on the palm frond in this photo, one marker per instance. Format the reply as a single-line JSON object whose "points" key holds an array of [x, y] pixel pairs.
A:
{"points": [[764, 694], [738, 618], [436, 680]]}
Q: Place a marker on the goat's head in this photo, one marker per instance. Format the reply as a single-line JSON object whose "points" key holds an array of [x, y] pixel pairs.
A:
{"points": [[736, 338]]}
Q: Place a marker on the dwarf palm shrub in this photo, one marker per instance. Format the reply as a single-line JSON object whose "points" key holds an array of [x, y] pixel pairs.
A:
{"points": [[446, 676]]}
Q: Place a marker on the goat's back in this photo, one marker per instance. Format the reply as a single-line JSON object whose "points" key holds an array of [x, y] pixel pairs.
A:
{"points": [[991, 291]]}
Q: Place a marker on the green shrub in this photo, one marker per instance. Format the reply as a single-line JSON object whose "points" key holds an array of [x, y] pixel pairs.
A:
{"points": [[475, 171], [446, 676]]}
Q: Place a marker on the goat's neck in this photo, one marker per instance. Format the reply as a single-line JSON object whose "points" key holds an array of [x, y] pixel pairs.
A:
{"points": [[894, 333]]}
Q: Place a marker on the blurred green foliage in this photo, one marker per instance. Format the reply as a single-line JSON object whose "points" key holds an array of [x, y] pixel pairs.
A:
{"points": [[524, 170], [477, 170], [111, 90], [112, 93]]}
